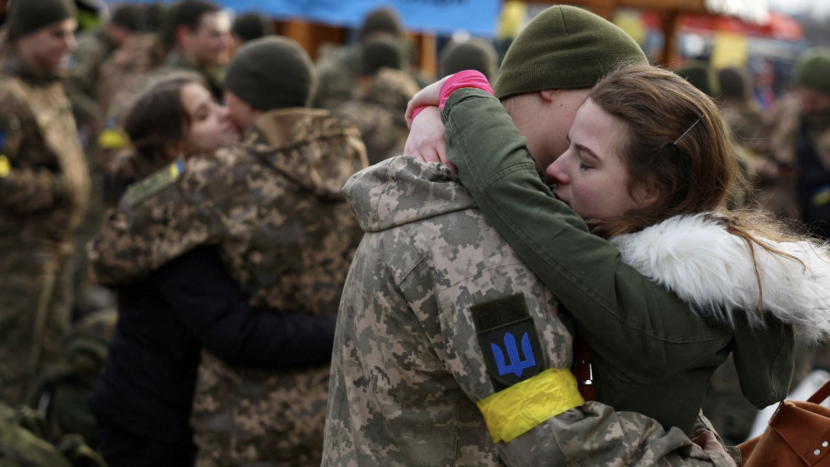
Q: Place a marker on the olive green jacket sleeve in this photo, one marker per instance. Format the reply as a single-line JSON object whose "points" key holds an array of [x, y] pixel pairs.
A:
{"points": [[622, 314]]}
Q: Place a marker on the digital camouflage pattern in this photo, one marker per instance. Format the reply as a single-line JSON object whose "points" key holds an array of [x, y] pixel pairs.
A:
{"points": [[44, 188], [379, 112], [275, 206], [408, 369]]}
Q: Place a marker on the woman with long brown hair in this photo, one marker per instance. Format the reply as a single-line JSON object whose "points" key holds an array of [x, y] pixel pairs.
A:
{"points": [[144, 397], [636, 241]]}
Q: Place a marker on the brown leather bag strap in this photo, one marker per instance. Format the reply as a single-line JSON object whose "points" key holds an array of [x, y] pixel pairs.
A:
{"points": [[820, 395], [582, 369]]}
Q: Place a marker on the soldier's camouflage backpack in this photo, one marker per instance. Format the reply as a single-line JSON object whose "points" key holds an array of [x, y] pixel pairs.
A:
{"points": [[61, 397], [22, 443]]}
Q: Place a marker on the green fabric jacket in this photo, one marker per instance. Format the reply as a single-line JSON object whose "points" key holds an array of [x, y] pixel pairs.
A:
{"points": [[651, 352]]}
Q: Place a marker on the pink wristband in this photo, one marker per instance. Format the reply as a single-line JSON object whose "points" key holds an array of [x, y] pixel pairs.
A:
{"points": [[419, 110], [465, 79], [460, 80]]}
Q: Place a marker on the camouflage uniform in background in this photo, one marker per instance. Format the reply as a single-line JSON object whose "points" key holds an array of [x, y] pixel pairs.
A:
{"points": [[379, 112], [336, 72], [44, 188], [287, 236], [408, 368], [784, 128], [746, 121], [61, 398], [94, 47], [81, 85], [124, 75]]}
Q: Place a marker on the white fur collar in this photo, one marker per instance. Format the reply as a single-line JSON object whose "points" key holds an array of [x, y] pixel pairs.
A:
{"points": [[695, 257]]}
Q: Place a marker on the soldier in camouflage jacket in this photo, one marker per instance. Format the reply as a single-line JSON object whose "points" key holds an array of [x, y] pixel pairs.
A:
{"points": [[409, 371], [273, 205], [44, 188]]}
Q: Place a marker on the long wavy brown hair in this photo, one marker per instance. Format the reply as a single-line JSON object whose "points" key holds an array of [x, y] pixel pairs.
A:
{"points": [[676, 141]]}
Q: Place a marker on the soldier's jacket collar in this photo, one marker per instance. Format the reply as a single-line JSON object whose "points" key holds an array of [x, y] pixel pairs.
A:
{"points": [[316, 149], [404, 189], [14, 66]]}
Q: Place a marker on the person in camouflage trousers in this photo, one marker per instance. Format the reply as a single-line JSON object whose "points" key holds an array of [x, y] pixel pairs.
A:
{"points": [[286, 233], [430, 284], [44, 188], [379, 106]]}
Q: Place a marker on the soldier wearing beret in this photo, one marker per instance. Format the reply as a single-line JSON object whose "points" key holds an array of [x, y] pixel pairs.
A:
{"points": [[44, 188], [274, 206]]}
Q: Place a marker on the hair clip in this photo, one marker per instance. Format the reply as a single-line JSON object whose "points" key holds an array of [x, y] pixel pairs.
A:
{"points": [[687, 131]]}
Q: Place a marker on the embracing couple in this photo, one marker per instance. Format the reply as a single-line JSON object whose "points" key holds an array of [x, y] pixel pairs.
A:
{"points": [[455, 334]]}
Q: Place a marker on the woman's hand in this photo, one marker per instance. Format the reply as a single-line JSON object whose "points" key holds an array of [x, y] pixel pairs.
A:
{"points": [[430, 95], [427, 138]]}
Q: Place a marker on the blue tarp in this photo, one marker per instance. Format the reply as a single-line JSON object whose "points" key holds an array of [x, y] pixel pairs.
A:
{"points": [[478, 17]]}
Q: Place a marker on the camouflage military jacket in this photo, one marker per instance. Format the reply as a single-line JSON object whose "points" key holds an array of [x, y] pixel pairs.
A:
{"points": [[44, 179], [287, 234], [408, 366]]}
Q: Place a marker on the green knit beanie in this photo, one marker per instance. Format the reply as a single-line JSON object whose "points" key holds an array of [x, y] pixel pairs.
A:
{"points": [[271, 73], [252, 26], [564, 47], [381, 53], [813, 70], [382, 20], [701, 76], [27, 16], [474, 54]]}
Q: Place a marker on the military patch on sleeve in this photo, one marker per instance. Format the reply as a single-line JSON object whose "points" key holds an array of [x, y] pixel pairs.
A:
{"points": [[508, 340], [154, 183]]}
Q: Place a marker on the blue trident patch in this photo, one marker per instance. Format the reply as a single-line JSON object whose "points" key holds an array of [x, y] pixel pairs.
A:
{"points": [[500, 324], [517, 366]]}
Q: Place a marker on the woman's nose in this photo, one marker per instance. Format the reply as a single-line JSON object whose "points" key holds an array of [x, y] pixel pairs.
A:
{"points": [[555, 174]]}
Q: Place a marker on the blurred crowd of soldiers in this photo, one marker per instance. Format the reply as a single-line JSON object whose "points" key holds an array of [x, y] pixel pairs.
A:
{"points": [[61, 132]]}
